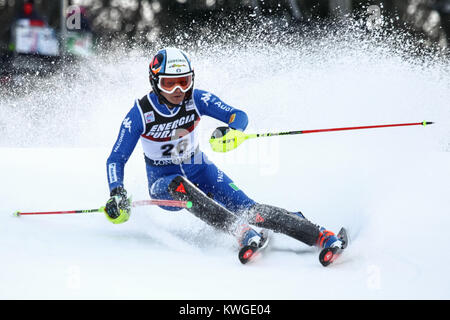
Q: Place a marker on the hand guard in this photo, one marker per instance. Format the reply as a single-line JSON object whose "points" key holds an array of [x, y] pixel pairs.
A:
{"points": [[225, 139], [118, 207]]}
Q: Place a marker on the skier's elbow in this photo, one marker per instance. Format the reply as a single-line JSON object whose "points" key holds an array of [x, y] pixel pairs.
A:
{"points": [[238, 120]]}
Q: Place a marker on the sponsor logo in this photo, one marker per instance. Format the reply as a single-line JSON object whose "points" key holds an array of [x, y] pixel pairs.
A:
{"points": [[155, 65], [119, 142], [259, 218], [233, 186], [223, 106], [190, 106], [149, 117], [162, 162], [127, 124], [169, 129], [180, 188], [219, 175], [176, 60], [177, 66], [206, 97], [112, 174], [233, 116]]}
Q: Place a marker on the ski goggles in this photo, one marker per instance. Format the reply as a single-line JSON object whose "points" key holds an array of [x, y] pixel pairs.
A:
{"points": [[169, 84]]}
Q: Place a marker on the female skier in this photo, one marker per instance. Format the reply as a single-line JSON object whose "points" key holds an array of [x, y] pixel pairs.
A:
{"points": [[165, 120]]}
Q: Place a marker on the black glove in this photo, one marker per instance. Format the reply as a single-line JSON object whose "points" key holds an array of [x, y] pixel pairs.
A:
{"points": [[118, 207], [220, 132]]}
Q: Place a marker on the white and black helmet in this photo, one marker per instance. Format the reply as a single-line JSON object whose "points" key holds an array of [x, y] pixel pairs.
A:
{"points": [[170, 69]]}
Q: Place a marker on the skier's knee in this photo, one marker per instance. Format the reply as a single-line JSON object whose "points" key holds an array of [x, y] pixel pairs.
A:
{"points": [[160, 190], [176, 186]]}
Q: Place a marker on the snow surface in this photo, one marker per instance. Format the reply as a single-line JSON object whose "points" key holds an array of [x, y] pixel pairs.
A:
{"points": [[389, 187]]}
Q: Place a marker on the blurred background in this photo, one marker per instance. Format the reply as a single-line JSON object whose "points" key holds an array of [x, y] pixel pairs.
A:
{"points": [[291, 65], [71, 53], [75, 28], [147, 20]]}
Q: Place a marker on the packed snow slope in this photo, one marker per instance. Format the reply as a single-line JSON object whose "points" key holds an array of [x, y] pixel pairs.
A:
{"points": [[389, 187]]}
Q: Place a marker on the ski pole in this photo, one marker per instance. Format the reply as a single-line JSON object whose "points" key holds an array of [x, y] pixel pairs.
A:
{"points": [[168, 203], [234, 138]]}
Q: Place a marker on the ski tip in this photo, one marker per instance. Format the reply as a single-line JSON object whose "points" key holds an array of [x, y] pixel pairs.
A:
{"points": [[343, 236], [16, 214], [427, 123]]}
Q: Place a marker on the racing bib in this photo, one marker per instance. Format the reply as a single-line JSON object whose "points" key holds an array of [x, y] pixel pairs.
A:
{"points": [[169, 138]]}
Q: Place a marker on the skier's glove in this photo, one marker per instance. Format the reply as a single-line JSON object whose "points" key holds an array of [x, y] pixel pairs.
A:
{"points": [[224, 139], [118, 207], [220, 132]]}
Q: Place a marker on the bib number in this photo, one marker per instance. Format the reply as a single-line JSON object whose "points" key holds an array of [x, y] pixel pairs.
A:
{"points": [[167, 149], [175, 151]]}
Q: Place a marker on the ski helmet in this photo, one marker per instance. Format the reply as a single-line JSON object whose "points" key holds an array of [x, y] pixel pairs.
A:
{"points": [[170, 69]]}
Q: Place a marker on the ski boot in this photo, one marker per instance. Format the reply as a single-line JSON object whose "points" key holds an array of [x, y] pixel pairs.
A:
{"points": [[332, 245], [328, 239], [251, 241], [248, 237]]}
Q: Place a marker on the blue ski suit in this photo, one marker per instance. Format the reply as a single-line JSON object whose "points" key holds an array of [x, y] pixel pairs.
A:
{"points": [[171, 150], [158, 148]]}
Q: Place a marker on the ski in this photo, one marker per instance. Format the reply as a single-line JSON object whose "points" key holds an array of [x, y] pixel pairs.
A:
{"points": [[248, 253], [329, 255]]}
